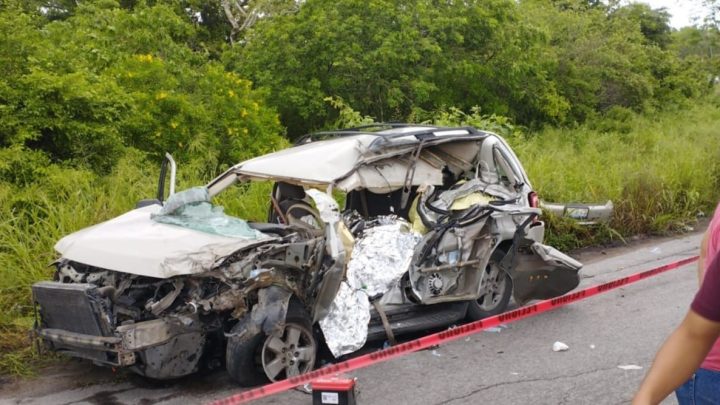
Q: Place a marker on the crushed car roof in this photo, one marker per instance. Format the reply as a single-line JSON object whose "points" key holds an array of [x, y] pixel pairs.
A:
{"points": [[365, 157]]}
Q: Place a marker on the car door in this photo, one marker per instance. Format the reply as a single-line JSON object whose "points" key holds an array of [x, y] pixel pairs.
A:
{"points": [[539, 271]]}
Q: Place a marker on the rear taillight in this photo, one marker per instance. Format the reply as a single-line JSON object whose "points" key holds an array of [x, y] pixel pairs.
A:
{"points": [[533, 199]]}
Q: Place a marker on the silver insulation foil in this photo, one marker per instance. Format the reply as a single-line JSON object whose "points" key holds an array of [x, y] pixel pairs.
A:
{"points": [[381, 257], [346, 325], [378, 261]]}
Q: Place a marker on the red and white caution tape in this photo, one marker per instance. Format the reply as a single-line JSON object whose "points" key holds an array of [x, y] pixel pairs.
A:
{"points": [[445, 336]]}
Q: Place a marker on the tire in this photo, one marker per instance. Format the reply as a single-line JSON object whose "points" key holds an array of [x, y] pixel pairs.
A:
{"points": [[257, 359], [496, 291]]}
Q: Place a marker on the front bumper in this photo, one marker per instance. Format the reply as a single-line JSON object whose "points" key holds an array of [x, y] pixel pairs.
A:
{"points": [[76, 320]]}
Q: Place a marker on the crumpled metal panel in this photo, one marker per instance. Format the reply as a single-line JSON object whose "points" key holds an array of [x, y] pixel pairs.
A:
{"points": [[345, 327], [330, 215], [381, 256], [134, 243], [447, 198]]}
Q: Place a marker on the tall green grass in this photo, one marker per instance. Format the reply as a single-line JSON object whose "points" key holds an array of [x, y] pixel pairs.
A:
{"points": [[661, 171]]}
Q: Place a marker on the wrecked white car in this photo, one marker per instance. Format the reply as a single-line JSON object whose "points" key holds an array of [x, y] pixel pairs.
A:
{"points": [[438, 225]]}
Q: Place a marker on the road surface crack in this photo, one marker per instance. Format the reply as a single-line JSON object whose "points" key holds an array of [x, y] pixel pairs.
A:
{"points": [[559, 377]]}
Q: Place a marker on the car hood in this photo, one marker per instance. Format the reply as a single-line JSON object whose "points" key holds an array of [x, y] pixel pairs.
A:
{"points": [[134, 243]]}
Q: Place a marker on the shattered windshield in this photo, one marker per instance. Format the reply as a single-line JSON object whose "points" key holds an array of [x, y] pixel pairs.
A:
{"points": [[191, 209]]}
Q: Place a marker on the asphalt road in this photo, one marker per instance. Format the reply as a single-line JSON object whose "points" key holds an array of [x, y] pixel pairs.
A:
{"points": [[515, 365]]}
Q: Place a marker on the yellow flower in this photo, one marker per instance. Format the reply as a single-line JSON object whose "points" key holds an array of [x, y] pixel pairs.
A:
{"points": [[144, 58], [173, 124], [245, 131], [231, 93], [161, 95], [243, 113]]}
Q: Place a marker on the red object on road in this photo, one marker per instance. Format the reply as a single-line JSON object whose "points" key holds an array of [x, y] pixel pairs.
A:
{"points": [[336, 391]]}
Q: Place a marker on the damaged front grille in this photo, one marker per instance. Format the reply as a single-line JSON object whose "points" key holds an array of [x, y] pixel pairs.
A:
{"points": [[75, 318]]}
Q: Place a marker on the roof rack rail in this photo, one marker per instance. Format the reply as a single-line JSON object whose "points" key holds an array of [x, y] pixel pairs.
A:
{"points": [[387, 125], [422, 129]]}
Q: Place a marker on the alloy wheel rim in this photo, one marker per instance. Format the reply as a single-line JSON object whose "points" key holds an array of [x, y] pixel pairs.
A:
{"points": [[288, 354], [493, 287]]}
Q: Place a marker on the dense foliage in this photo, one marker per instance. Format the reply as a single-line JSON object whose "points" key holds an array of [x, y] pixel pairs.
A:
{"points": [[536, 61], [85, 88], [93, 93]]}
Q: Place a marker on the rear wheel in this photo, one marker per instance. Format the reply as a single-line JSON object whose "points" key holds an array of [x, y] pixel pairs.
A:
{"points": [[495, 291], [290, 352]]}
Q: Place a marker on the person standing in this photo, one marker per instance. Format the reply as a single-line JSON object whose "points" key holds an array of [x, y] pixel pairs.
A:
{"points": [[703, 387], [685, 349]]}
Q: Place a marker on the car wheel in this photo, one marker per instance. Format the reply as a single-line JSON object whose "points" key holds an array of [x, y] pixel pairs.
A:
{"points": [[495, 291], [257, 359]]}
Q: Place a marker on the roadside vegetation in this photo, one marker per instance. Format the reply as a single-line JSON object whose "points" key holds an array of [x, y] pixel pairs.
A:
{"points": [[601, 101]]}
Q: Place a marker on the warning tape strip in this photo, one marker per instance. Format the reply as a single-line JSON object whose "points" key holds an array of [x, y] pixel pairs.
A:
{"points": [[444, 336]]}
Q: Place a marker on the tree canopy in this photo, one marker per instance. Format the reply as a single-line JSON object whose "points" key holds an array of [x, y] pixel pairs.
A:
{"points": [[84, 87], [206, 79]]}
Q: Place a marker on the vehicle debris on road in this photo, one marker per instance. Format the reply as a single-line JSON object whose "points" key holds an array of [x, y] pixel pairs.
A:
{"points": [[630, 367], [560, 347]]}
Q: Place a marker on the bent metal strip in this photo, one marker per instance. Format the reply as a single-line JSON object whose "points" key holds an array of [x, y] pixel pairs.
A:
{"points": [[446, 336]]}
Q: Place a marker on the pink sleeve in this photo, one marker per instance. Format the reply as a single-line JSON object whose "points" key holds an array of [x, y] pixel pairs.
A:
{"points": [[713, 237]]}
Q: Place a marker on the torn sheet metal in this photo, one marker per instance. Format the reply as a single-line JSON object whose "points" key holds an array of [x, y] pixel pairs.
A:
{"points": [[326, 206], [388, 175], [329, 159], [449, 197], [551, 255], [381, 257], [345, 327], [330, 215]]}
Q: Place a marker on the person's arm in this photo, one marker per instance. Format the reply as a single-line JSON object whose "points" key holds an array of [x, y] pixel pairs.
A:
{"points": [[678, 358]]}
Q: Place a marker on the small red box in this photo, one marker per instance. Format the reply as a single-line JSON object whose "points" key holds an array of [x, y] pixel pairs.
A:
{"points": [[333, 391]]}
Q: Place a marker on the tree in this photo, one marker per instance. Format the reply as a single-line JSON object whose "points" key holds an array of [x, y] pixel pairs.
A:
{"points": [[243, 14], [84, 88], [389, 59], [654, 23]]}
